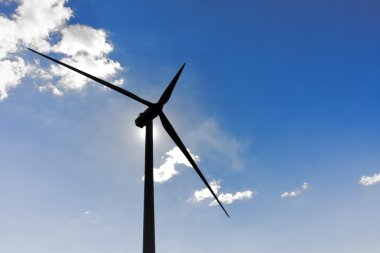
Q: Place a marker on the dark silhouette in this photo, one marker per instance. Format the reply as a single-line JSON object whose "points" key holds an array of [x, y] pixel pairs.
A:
{"points": [[146, 119]]}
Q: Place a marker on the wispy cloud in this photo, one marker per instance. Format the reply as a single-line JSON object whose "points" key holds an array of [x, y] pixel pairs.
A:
{"points": [[225, 198], [229, 149], [295, 193], [370, 180], [6, 1], [43, 25]]}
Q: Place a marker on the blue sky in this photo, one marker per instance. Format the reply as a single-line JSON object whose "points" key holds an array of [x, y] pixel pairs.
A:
{"points": [[274, 95]]}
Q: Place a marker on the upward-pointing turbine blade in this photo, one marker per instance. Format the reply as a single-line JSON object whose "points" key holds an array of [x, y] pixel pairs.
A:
{"points": [[172, 133], [96, 79], [166, 95]]}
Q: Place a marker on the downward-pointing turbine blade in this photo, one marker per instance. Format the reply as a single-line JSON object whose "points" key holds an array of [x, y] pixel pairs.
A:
{"points": [[166, 95], [96, 79], [172, 133]]}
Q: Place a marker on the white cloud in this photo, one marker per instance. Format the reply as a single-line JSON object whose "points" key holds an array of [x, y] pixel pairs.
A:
{"points": [[291, 194], [119, 81], [98, 66], [39, 24], [11, 73], [200, 195], [83, 39], [229, 198], [32, 24], [167, 170], [305, 186], [295, 193], [224, 198], [370, 180], [52, 88]]}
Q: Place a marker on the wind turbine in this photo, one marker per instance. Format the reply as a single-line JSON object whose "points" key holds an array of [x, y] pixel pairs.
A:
{"points": [[146, 119]]}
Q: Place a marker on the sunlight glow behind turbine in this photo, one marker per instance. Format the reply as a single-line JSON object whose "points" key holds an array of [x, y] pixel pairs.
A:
{"points": [[141, 133]]}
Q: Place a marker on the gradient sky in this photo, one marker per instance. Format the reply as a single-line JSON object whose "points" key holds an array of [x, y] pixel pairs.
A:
{"points": [[275, 94]]}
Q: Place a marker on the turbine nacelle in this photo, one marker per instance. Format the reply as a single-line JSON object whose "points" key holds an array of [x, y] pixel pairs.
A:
{"points": [[156, 109], [148, 115]]}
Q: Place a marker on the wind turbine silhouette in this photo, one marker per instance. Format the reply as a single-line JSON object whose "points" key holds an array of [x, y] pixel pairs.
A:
{"points": [[146, 119]]}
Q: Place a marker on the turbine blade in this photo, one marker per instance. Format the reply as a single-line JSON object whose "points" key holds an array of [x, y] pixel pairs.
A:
{"points": [[166, 95], [96, 79], [172, 133]]}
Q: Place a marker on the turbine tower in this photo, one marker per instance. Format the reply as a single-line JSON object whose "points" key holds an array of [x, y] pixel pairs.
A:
{"points": [[145, 119]]}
